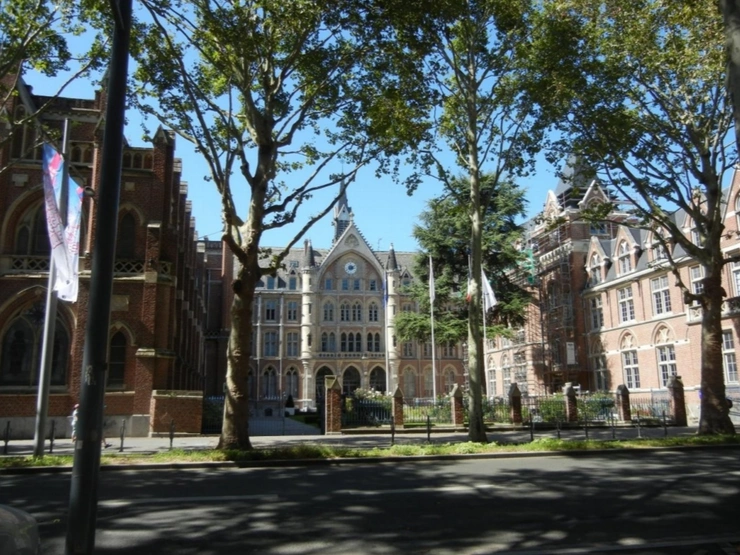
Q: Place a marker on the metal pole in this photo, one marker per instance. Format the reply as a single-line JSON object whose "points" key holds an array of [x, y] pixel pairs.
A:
{"points": [[6, 437], [51, 437], [123, 434], [531, 427], [50, 320], [393, 430], [83, 498]]}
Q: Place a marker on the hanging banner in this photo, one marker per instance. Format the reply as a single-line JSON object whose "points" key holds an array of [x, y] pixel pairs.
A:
{"points": [[64, 241]]}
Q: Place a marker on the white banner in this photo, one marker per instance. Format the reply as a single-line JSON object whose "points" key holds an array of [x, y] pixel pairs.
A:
{"points": [[64, 241]]}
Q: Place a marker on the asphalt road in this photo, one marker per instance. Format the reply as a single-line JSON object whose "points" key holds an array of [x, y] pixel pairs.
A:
{"points": [[638, 502]]}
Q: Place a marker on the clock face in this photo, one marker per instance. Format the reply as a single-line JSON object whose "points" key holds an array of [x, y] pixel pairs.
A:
{"points": [[350, 267]]}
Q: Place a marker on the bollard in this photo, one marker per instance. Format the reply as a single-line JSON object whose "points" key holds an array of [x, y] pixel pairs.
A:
{"points": [[172, 433], [123, 434], [639, 429], [393, 430], [558, 426], [585, 427], [531, 427], [51, 436], [6, 437], [429, 429], [665, 426], [614, 430]]}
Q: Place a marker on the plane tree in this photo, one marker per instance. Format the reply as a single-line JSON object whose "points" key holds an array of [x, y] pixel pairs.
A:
{"points": [[285, 100], [443, 233], [484, 123], [37, 36], [637, 91]]}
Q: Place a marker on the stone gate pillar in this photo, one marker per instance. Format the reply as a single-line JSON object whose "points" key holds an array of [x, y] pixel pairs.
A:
{"points": [[623, 404], [397, 404], [677, 401], [333, 406], [571, 404], [515, 404], [458, 413]]}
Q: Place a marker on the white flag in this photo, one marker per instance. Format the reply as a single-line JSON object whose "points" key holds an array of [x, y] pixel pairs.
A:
{"points": [[489, 299], [64, 241], [431, 281]]}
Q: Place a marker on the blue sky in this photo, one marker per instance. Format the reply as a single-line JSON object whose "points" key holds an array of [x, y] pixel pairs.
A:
{"points": [[382, 210]]}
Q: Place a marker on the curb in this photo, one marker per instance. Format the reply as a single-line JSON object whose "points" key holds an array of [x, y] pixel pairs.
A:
{"points": [[282, 463]]}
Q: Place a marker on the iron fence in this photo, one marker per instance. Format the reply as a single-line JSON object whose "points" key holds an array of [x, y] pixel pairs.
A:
{"points": [[655, 404], [213, 415], [495, 411], [366, 412], [419, 411], [549, 409]]}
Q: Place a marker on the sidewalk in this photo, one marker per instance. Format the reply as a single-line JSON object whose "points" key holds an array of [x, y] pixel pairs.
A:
{"points": [[149, 445]]}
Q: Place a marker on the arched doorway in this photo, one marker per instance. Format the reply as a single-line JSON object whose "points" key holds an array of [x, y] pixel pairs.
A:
{"points": [[377, 379], [350, 380], [320, 381]]}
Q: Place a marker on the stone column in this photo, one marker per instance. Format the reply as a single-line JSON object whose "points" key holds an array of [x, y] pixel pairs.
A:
{"points": [[623, 404], [333, 406], [515, 404], [677, 401], [397, 404], [458, 414], [571, 405]]}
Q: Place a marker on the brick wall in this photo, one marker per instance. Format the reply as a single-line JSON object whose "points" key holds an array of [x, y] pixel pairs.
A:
{"points": [[184, 407]]}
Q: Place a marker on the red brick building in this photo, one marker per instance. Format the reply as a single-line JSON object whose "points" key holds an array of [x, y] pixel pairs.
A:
{"points": [[166, 306], [606, 309]]}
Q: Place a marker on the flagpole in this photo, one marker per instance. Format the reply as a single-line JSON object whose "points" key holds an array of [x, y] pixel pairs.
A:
{"points": [[50, 319], [431, 311], [485, 340], [385, 333]]}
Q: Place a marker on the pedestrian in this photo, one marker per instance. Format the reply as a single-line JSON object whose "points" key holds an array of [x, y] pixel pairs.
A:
{"points": [[75, 410], [104, 443]]}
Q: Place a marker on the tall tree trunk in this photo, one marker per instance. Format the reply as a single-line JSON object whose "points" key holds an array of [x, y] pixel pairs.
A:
{"points": [[715, 418], [731, 15], [235, 428], [476, 428]]}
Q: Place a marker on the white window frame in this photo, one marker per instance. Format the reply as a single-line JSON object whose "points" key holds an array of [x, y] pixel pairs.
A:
{"points": [[626, 304], [666, 363], [729, 361], [595, 270], [661, 294], [597, 313], [631, 369], [624, 259], [696, 275]]}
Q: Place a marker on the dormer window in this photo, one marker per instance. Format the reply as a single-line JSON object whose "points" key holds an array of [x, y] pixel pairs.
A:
{"points": [[624, 258], [595, 270], [696, 237], [659, 252]]}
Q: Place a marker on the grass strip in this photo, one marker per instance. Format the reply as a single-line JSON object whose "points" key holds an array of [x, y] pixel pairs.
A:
{"points": [[313, 451]]}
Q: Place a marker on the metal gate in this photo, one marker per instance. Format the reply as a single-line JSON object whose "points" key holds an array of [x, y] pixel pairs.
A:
{"points": [[266, 418]]}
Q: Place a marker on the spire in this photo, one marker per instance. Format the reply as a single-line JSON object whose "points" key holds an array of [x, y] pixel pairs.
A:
{"points": [[308, 257], [391, 263], [342, 217]]}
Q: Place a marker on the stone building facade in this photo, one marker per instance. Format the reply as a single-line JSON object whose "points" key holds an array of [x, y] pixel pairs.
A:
{"points": [[162, 281], [330, 312]]}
